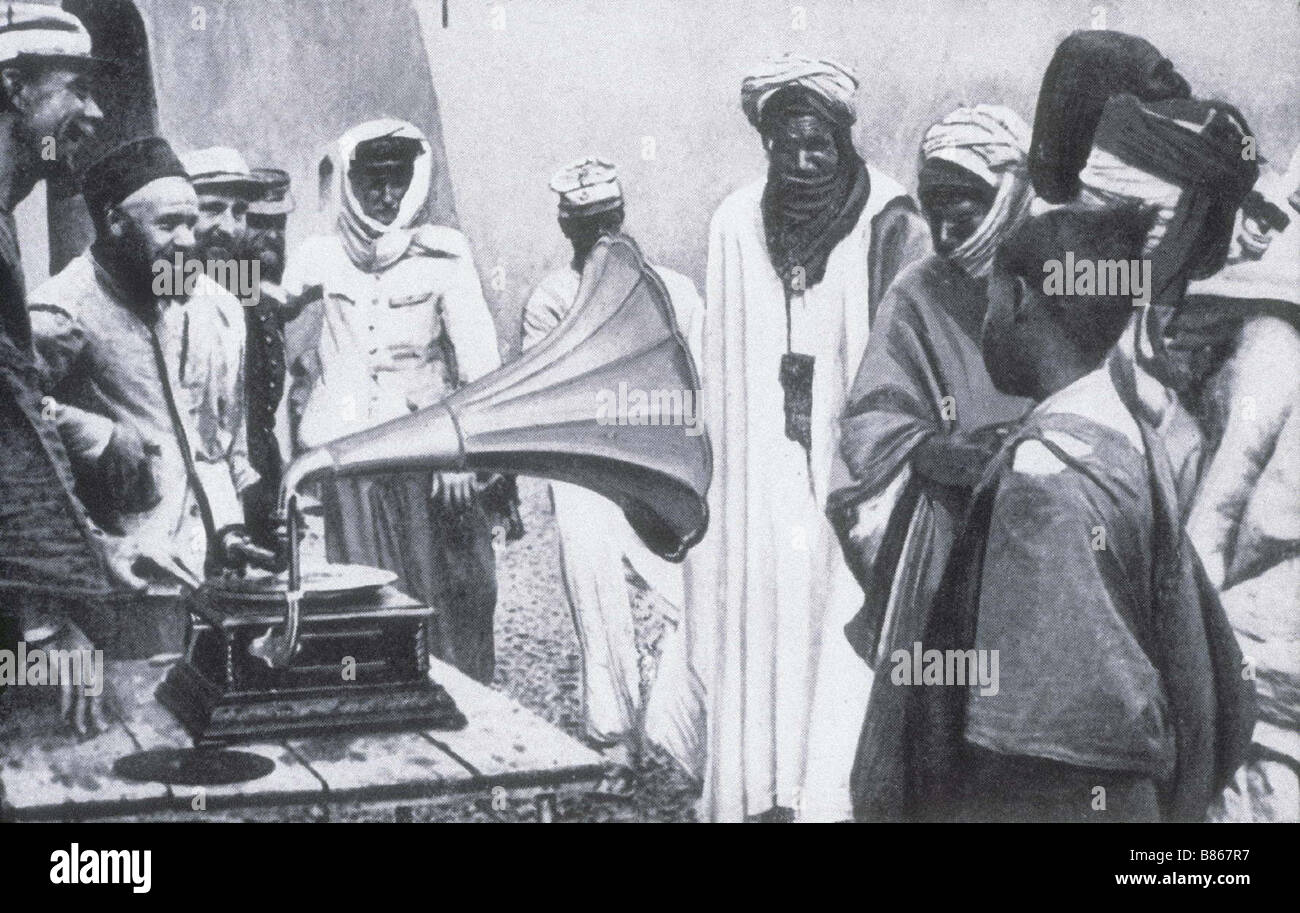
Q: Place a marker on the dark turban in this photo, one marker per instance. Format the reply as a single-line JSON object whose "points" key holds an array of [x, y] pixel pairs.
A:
{"points": [[1206, 162], [1086, 70]]}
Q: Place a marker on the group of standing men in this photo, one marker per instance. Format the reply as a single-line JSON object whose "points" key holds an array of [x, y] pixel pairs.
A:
{"points": [[143, 380], [898, 407], [1003, 468]]}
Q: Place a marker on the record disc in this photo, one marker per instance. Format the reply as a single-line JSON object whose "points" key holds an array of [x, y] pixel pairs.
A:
{"points": [[192, 766], [326, 580]]}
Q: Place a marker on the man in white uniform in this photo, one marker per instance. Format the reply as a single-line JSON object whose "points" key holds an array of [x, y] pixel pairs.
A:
{"points": [[594, 536]]}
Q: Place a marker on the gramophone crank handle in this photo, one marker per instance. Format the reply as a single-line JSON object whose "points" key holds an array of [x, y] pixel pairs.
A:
{"points": [[286, 647], [279, 651]]}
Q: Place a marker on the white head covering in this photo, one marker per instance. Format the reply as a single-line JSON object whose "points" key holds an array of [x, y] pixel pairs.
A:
{"points": [[587, 187], [991, 142], [833, 81], [41, 31], [371, 245]]}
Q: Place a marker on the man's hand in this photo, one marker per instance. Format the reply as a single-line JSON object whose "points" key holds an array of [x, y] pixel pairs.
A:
{"points": [[81, 703], [237, 550], [126, 472], [454, 489], [959, 458]]}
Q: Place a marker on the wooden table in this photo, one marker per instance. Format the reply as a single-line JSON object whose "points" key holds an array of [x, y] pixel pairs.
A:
{"points": [[47, 773]]}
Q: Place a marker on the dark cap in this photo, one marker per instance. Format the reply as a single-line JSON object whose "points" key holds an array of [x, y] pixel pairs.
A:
{"points": [[275, 199], [124, 169], [387, 151]]}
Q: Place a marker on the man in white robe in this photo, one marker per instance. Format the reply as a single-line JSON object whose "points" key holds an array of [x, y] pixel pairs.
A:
{"points": [[595, 538], [797, 263]]}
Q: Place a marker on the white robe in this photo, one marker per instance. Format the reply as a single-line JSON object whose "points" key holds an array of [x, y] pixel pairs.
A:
{"points": [[595, 538], [767, 590]]}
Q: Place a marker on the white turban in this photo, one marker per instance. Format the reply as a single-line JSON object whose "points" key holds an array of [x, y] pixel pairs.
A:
{"points": [[986, 140], [992, 143], [832, 82]]}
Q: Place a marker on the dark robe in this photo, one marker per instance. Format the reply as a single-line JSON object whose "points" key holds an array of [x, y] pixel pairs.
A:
{"points": [[264, 380], [51, 554], [1116, 659], [922, 374], [47, 542]]}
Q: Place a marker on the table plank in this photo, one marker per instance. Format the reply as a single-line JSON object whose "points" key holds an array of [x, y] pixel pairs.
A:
{"points": [[153, 726], [49, 772], [505, 743], [380, 766]]}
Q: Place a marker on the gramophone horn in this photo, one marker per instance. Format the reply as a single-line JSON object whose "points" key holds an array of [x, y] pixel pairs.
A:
{"points": [[610, 401]]}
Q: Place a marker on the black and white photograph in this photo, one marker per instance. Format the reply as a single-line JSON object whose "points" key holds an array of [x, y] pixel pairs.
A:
{"points": [[585, 411]]}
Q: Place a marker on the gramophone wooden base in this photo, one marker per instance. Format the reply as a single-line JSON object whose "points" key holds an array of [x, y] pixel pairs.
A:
{"points": [[213, 718], [361, 666]]}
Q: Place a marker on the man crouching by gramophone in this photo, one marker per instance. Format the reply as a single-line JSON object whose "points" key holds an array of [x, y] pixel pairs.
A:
{"points": [[169, 365]]}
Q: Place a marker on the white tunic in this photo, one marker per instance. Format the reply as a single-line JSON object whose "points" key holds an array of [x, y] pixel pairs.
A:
{"points": [[378, 350], [595, 539], [767, 591]]}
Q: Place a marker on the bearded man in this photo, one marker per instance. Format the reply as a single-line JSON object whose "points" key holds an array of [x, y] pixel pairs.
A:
{"points": [[168, 365], [798, 263], [923, 418]]}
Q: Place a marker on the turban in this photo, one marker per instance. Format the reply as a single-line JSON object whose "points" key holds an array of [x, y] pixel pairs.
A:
{"points": [[987, 140], [1183, 157], [1086, 70], [830, 82], [990, 144], [124, 169], [804, 219]]}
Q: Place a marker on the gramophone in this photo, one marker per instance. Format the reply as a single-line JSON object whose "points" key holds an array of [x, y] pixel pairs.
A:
{"points": [[339, 648]]}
